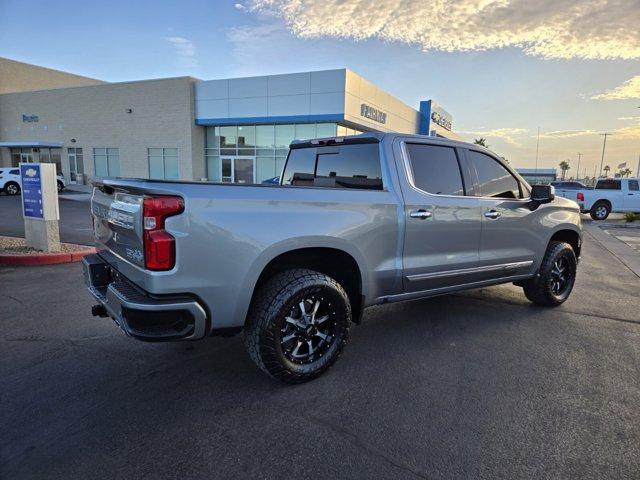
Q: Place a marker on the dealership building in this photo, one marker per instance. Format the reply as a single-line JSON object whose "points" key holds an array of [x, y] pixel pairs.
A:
{"points": [[229, 130]]}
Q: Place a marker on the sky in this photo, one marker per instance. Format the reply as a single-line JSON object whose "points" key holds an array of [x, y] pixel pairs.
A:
{"points": [[502, 68]]}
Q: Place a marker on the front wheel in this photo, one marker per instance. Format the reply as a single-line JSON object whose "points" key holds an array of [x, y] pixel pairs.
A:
{"points": [[557, 275], [60, 186], [298, 325]]}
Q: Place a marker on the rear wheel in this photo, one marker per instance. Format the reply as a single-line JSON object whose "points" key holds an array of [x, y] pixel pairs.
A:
{"points": [[600, 211], [298, 325], [557, 275], [12, 188]]}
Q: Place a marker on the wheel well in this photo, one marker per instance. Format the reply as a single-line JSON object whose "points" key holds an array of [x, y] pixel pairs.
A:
{"points": [[602, 201], [570, 237], [335, 263]]}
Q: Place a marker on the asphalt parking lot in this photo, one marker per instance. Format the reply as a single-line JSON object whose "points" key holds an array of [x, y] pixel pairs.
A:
{"points": [[75, 219], [474, 385]]}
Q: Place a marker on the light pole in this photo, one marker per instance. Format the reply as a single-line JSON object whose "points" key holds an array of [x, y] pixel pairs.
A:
{"points": [[537, 146], [578, 172], [604, 144]]}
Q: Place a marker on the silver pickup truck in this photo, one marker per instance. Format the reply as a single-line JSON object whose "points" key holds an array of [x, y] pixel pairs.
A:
{"points": [[356, 221]]}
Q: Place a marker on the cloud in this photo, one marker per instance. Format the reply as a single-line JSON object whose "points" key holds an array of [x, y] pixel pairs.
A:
{"points": [[506, 134], [593, 29], [628, 90], [185, 49], [568, 133]]}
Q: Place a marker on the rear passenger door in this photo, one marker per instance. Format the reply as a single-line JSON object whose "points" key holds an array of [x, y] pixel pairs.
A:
{"points": [[508, 242], [442, 222]]}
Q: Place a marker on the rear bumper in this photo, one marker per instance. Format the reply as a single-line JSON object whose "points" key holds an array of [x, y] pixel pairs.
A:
{"points": [[139, 314]]}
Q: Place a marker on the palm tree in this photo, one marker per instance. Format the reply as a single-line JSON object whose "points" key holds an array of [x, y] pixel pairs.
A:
{"points": [[564, 166], [606, 169], [481, 141], [626, 172]]}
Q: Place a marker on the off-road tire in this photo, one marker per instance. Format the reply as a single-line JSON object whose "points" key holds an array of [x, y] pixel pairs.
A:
{"points": [[266, 320], [8, 188], [539, 289], [598, 208]]}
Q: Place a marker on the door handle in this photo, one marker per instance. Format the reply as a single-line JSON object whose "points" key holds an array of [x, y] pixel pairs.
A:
{"points": [[421, 214], [492, 214]]}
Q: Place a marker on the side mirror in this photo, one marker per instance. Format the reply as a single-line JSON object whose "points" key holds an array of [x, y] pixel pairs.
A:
{"points": [[542, 193]]}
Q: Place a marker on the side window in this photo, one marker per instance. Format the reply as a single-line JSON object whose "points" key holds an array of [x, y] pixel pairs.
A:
{"points": [[435, 169], [347, 166], [494, 179], [14, 172], [633, 185]]}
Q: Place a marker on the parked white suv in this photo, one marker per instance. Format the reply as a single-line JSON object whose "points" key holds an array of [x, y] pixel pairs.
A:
{"points": [[10, 181], [617, 195]]}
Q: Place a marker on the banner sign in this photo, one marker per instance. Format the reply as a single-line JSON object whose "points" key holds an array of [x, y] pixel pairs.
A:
{"points": [[31, 190]]}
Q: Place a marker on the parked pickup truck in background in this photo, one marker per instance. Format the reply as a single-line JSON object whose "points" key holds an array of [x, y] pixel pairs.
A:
{"points": [[617, 195], [356, 221]]}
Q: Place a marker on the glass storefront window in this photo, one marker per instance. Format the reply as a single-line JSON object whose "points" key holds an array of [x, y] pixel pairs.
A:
{"points": [[213, 168], [265, 139], [326, 130], [268, 144], [213, 137], [246, 140], [228, 140], [265, 168], [305, 131]]}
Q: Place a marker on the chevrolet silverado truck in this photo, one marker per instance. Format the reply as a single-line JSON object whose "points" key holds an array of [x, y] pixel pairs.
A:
{"points": [[355, 221], [618, 195]]}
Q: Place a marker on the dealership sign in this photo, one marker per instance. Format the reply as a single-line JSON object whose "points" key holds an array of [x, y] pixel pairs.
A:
{"points": [[31, 190], [441, 118], [30, 118], [373, 113]]}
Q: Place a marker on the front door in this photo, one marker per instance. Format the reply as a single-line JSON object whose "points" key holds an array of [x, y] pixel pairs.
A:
{"points": [[73, 168], [632, 197], [442, 220], [237, 169], [508, 244]]}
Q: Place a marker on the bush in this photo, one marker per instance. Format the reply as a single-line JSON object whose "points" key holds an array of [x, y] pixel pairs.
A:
{"points": [[630, 216]]}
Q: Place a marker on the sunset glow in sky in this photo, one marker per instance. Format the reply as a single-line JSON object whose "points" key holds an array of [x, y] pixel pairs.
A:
{"points": [[502, 68]]}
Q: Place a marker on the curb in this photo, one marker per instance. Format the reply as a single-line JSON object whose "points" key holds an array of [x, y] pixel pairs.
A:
{"points": [[605, 226], [45, 258]]}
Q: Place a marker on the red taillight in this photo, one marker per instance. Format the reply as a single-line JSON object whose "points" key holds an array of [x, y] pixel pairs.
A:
{"points": [[580, 196], [159, 245]]}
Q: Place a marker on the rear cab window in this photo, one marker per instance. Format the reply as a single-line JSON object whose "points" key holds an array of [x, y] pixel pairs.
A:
{"points": [[609, 184], [354, 166]]}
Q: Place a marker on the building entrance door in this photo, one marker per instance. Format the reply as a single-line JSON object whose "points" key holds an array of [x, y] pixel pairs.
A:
{"points": [[73, 169], [237, 169]]}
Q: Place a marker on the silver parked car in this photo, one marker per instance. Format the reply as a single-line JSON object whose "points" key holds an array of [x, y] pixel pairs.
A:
{"points": [[356, 221]]}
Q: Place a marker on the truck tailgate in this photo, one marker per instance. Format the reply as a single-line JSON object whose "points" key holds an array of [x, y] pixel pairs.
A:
{"points": [[117, 218]]}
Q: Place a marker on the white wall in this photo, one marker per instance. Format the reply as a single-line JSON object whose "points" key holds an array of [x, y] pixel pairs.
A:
{"points": [[296, 94]]}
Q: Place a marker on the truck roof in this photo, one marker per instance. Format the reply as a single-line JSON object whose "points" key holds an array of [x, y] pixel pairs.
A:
{"points": [[375, 137]]}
